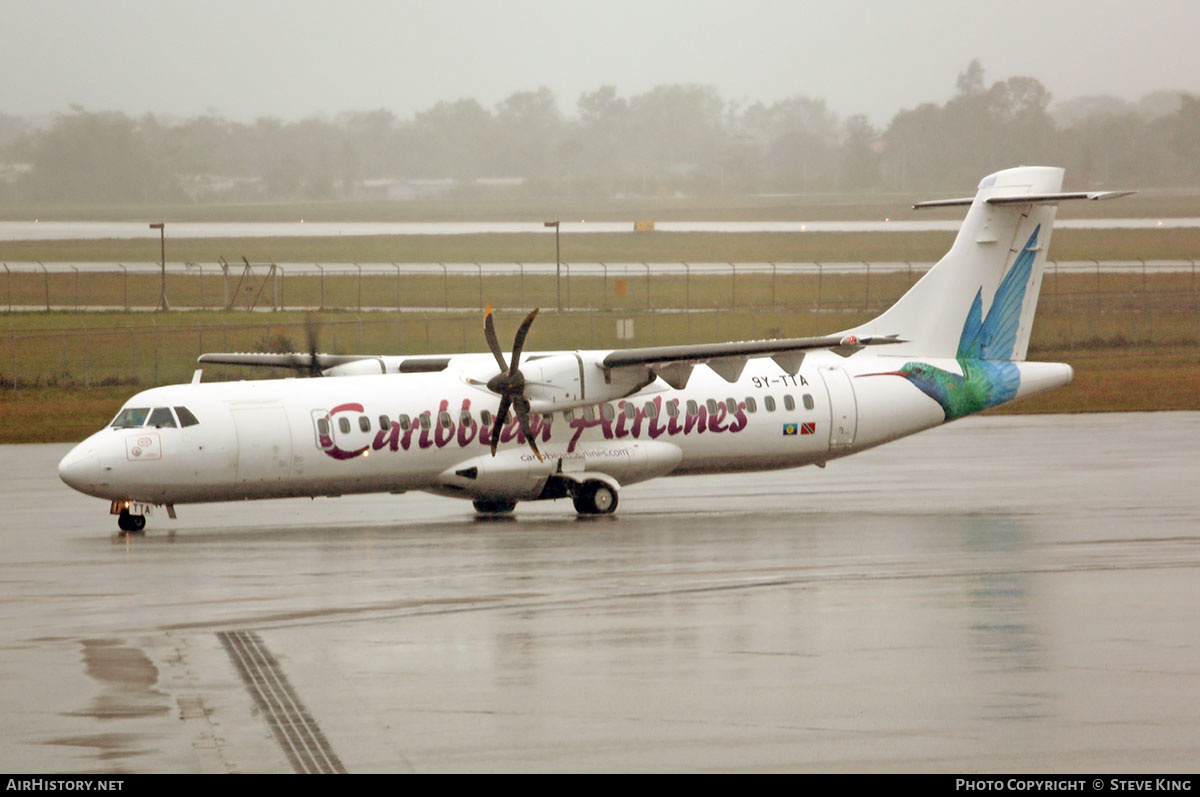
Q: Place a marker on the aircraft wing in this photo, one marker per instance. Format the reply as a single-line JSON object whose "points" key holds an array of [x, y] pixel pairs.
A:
{"points": [[293, 361], [674, 363]]}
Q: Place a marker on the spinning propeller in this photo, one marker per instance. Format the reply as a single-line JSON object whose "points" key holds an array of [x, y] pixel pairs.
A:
{"points": [[509, 384]]}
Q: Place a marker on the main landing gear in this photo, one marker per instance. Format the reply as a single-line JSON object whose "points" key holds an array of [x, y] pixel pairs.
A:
{"points": [[494, 506], [591, 497], [594, 498]]}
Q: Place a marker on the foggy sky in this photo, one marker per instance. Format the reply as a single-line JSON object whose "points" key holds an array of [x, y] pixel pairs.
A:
{"points": [[243, 59]]}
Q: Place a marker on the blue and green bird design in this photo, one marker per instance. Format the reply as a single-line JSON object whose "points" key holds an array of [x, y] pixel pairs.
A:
{"points": [[985, 348]]}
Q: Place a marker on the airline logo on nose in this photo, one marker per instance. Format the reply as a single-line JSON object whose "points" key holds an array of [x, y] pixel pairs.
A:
{"points": [[143, 447]]}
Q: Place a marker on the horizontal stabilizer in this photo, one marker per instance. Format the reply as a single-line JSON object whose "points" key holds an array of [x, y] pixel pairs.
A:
{"points": [[1024, 199]]}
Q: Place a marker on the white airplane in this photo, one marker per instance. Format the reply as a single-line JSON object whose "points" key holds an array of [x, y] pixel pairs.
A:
{"points": [[581, 424]]}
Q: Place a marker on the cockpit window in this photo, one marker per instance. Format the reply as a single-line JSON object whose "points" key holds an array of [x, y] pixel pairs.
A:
{"points": [[131, 418], [185, 417], [162, 417]]}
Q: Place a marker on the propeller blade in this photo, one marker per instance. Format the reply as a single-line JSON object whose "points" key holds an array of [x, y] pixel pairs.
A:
{"points": [[522, 409], [489, 332], [501, 417], [312, 335], [519, 340]]}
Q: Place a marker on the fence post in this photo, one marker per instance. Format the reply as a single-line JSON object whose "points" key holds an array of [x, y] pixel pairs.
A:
{"points": [[321, 298], [8, 285], [867, 301], [820, 275], [445, 290], [773, 275], [733, 287], [647, 286], [87, 374], [397, 286], [46, 281]]}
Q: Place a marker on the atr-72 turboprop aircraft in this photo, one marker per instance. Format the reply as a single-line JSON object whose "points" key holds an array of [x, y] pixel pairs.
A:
{"points": [[580, 424]]}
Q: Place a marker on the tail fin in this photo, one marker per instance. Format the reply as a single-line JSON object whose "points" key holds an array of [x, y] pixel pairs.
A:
{"points": [[979, 300]]}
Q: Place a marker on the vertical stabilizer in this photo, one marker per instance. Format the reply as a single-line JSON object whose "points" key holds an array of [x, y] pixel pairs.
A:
{"points": [[979, 300]]}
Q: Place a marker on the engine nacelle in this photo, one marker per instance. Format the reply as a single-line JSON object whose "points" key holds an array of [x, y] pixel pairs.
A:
{"points": [[563, 381], [557, 379]]}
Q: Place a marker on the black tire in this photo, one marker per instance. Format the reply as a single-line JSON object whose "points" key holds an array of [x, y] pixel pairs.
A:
{"points": [[131, 524], [595, 498], [494, 506]]}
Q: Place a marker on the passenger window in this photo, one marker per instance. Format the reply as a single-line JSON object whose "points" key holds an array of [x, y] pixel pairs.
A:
{"points": [[364, 423], [607, 412], [789, 402], [692, 409], [131, 418], [344, 425], [630, 411], [485, 418], [589, 414], [808, 401], [384, 423], [712, 406], [568, 415], [731, 405], [769, 403], [162, 417], [323, 427], [673, 408], [444, 420], [751, 404], [185, 417], [426, 420], [651, 410], [465, 419], [405, 422]]}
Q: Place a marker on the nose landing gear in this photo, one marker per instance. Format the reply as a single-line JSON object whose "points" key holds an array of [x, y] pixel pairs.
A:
{"points": [[131, 524]]}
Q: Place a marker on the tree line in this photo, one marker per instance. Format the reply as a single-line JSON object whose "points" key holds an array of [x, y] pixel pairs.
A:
{"points": [[671, 139]]}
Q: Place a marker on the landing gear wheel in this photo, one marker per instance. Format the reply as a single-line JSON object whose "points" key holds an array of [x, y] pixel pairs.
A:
{"points": [[494, 506], [131, 524], [595, 498]]}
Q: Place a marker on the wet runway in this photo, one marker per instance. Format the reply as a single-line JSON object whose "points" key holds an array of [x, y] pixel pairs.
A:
{"points": [[1001, 594]]}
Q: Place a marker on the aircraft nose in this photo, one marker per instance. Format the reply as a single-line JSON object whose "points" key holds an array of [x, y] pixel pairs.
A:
{"points": [[80, 469]]}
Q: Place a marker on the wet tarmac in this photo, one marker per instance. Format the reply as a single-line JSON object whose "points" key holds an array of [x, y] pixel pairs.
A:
{"points": [[1001, 594]]}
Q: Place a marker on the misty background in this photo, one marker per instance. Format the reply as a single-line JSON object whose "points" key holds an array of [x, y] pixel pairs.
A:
{"points": [[122, 102]]}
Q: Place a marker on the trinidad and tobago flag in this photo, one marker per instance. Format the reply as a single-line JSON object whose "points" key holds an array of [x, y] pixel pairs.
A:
{"points": [[790, 429]]}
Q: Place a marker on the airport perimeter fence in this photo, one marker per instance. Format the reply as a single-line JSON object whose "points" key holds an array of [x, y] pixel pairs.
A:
{"points": [[460, 287], [1082, 306]]}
